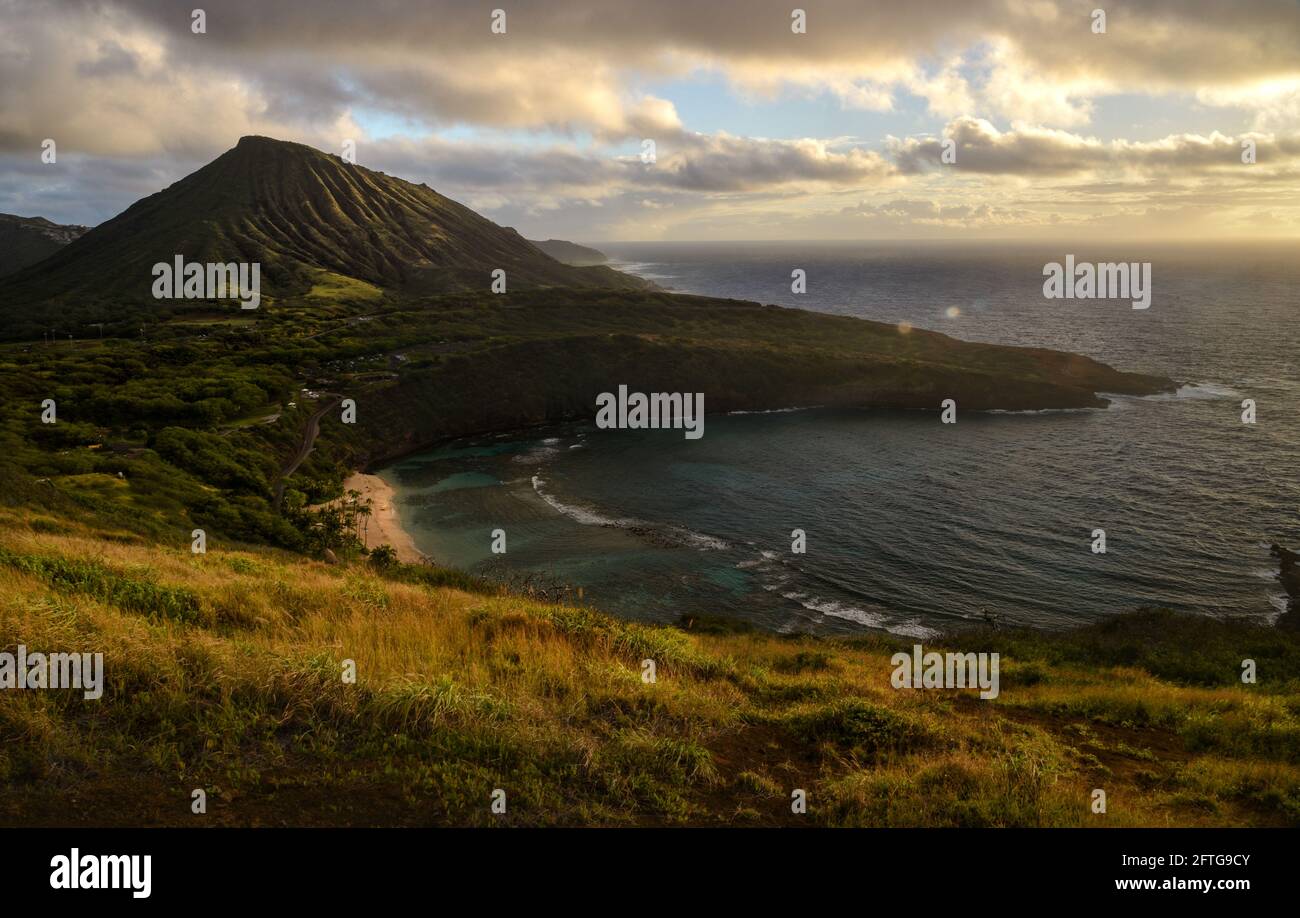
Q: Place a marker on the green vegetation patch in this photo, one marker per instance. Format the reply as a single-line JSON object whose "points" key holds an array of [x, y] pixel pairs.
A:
{"points": [[133, 593]]}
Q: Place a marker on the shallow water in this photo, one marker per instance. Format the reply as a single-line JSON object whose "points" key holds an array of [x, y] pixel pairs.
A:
{"points": [[913, 525]]}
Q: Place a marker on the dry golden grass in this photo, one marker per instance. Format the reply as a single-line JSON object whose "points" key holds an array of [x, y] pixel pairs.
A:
{"points": [[224, 671]]}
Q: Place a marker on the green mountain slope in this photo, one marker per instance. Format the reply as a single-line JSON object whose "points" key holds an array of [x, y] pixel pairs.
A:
{"points": [[570, 252], [297, 212], [27, 240]]}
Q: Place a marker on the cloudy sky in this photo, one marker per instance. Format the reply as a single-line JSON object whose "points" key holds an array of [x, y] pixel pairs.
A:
{"points": [[759, 132]]}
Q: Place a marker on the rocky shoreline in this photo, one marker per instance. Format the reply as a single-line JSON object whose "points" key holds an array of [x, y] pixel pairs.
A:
{"points": [[1289, 575]]}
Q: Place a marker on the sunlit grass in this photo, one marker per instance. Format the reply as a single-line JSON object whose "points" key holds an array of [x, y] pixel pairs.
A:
{"points": [[225, 671]]}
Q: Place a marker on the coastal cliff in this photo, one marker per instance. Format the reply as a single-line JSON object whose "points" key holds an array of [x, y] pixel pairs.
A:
{"points": [[1289, 575], [559, 356]]}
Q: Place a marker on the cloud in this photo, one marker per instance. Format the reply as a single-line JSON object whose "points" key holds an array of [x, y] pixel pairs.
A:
{"points": [[909, 212], [1275, 103], [119, 75], [1029, 151], [82, 189], [541, 124], [685, 162], [721, 162]]}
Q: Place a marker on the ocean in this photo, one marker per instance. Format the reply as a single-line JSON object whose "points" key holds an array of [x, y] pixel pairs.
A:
{"points": [[910, 526]]}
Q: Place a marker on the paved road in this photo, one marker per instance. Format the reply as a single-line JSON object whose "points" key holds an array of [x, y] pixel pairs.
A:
{"points": [[308, 441]]}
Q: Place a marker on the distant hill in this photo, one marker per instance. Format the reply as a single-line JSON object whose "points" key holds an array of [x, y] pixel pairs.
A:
{"points": [[570, 252], [26, 240], [298, 212]]}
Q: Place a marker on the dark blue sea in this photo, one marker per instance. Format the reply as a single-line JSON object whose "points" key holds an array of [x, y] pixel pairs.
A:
{"points": [[912, 525]]}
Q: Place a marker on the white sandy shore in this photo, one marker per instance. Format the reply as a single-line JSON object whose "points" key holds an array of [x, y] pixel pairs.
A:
{"points": [[383, 526]]}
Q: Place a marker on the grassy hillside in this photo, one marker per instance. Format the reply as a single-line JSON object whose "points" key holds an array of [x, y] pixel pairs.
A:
{"points": [[224, 672]]}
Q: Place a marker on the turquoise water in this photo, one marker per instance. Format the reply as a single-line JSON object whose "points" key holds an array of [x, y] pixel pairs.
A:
{"points": [[912, 525]]}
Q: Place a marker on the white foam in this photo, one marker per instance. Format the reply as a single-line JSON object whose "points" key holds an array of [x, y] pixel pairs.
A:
{"points": [[777, 410], [578, 514], [536, 455], [766, 559], [836, 609], [699, 539], [1206, 390], [642, 269], [1189, 392], [588, 517], [1041, 410]]}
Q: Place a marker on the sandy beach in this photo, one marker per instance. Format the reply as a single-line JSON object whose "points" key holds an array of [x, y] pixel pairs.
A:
{"points": [[383, 527]]}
